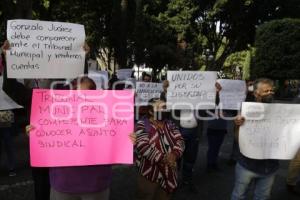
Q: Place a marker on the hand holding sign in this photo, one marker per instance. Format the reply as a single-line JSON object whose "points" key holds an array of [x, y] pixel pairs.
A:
{"points": [[86, 48], [218, 87], [165, 85], [239, 120], [29, 128], [5, 47]]}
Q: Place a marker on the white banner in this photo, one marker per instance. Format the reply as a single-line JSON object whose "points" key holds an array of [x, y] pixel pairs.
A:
{"points": [[233, 93], [146, 91], [41, 49], [191, 90], [270, 131]]}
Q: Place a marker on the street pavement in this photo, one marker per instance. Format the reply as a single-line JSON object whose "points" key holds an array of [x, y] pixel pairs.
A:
{"points": [[211, 186]]}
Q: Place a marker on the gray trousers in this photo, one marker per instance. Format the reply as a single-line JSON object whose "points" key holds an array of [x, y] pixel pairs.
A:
{"points": [[55, 195]]}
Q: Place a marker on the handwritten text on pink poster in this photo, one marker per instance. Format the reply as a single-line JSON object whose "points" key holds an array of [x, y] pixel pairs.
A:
{"points": [[81, 127]]}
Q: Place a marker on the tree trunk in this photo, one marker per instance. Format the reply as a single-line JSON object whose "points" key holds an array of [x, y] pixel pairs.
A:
{"points": [[109, 55], [123, 35], [139, 39]]}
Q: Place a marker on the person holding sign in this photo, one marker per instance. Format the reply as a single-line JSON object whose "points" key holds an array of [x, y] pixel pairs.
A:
{"points": [[40, 174], [163, 94], [23, 95], [248, 170], [80, 182], [216, 131], [188, 125], [159, 145], [146, 77]]}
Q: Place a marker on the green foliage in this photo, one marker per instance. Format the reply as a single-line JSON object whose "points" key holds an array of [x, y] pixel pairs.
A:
{"points": [[241, 59], [277, 50], [160, 33], [164, 32], [179, 16]]}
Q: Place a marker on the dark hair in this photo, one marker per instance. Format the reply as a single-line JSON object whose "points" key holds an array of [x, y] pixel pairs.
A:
{"points": [[145, 74], [87, 80], [150, 104], [112, 81]]}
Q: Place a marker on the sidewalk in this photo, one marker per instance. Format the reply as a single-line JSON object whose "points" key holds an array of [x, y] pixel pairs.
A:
{"points": [[216, 186]]}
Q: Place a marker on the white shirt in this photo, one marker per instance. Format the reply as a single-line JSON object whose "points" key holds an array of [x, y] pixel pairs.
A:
{"points": [[188, 119]]}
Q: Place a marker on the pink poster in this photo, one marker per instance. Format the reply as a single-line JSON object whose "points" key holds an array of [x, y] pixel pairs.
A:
{"points": [[81, 127]]}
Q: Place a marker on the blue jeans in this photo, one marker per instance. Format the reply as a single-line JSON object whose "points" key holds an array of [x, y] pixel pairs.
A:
{"points": [[191, 140], [6, 136], [243, 178]]}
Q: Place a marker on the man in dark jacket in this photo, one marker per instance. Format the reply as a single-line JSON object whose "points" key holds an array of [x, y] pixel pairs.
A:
{"points": [[248, 170]]}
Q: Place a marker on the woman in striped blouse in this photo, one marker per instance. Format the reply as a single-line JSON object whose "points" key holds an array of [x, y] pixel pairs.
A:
{"points": [[159, 145]]}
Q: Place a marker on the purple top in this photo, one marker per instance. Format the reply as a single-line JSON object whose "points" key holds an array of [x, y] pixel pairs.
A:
{"points": [[81, 179]]}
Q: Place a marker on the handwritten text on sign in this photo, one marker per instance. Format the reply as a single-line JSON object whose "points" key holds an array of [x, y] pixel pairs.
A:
{"points": [[191, 90], [74, 128], [233, 93], [41, 49], [146, 91], [271, 131]]}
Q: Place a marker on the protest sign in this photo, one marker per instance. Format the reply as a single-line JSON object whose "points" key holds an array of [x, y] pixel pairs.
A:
{"points": [[124, 74], [100, 78], [191, 90], [146, 91], [232, 94], [76, 128], [270, 131], [6, 103], [41, 49]]}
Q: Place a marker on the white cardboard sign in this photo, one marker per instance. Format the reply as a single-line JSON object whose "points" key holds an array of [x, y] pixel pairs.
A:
{"points": [[43, 49], [191, 90], [233, 93], [146, 91], [270, 131]]}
